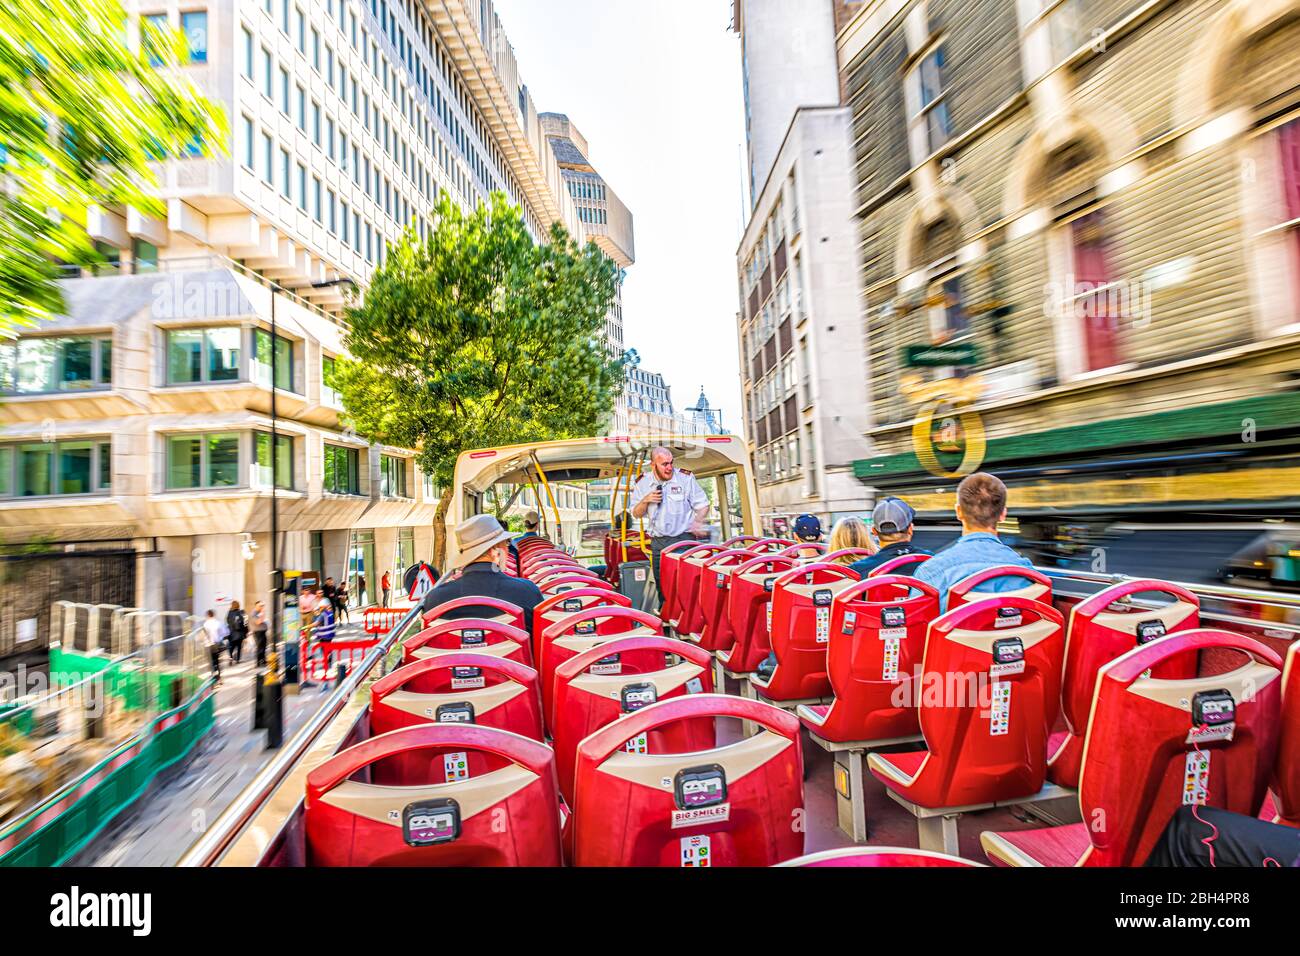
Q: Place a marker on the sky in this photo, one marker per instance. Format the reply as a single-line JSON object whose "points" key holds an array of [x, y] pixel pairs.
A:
{"points": [[655, 87]]}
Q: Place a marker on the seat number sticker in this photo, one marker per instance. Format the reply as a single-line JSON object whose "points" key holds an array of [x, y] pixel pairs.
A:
{"points": [[823, 625], [1000, 712], [695, 851], [455, 766], [607, 665], [890, 671], [637, 745], [1196, 779], [850, 622]]}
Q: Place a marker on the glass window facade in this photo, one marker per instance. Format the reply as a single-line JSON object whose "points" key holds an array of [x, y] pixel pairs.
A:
{"points": [[41, 469]]}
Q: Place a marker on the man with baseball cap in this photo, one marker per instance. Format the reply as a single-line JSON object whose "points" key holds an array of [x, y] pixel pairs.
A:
{"points": [[483, 546], [891, 526]]}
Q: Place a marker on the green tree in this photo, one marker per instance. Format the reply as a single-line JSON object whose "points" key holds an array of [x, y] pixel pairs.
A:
{"points": [[82, 118], [479, 337]]}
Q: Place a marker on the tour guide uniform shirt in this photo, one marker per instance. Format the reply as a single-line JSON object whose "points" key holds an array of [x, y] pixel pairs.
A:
{"points": [[672, 517]]}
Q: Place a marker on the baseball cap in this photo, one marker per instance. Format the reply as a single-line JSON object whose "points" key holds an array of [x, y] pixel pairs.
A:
{"points": [[532, 518], [892, 516], [807, 527]]}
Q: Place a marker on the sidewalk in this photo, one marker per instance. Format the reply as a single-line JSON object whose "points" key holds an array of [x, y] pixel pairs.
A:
{"points": [[174, 812]]}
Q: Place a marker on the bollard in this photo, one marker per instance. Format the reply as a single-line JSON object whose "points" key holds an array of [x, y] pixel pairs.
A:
{"points": [[274, 715], [177, 687], [259, 702], [341, 672]]}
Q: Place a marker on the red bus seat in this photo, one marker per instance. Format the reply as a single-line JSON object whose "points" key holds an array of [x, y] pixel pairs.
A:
{"points": [[459, 688], [472, 634], [669, 565], [801, 622], [888, 856], [1101, 628], [690, 565], [570, 582], [850, 554], [729, 806], [1154, 744], [506, 814], [541, 559], [714, 586], [769, 545], [498, 612], [749, 603], [588, 696], [559, 606], [538, 570], [742, 541], [621, 550], [588, 628], [1286, 776], [998, 680], [1038, 588], [877, 642], [805, 551], [904, 564]]}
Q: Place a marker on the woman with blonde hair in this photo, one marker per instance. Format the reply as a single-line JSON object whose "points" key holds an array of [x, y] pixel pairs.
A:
{"points": [[850, 533]]}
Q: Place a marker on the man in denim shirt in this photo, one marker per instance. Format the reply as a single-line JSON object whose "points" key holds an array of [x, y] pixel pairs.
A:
{"points": [[981, 504]]}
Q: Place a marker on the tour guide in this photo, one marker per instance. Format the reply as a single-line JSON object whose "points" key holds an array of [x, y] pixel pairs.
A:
{"points": [[676, 503]]}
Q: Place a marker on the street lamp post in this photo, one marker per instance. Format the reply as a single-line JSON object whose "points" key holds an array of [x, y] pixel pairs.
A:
{"points": [[277, 573]]}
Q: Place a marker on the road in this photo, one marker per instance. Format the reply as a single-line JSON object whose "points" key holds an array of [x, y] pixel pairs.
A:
{"points": [[183, 801]]}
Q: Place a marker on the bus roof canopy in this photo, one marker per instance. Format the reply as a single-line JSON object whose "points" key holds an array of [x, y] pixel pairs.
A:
{"points": [[578, 459]]}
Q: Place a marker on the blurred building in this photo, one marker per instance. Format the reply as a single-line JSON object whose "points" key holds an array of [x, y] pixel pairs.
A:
{"points": [[650, 406], [1080, 258], [140, 420], [803, 364], [605, 221]]}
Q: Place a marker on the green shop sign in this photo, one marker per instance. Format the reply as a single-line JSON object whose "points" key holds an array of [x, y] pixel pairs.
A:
{"points": [[932, 356]]}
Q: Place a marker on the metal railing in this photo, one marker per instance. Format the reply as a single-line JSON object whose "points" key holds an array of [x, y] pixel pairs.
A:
{"points": [[213, 845]]}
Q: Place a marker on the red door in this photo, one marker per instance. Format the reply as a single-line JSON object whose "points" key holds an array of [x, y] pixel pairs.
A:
{"points": [[1094, 301]]}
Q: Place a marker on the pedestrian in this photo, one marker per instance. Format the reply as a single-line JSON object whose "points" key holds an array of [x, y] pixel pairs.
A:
{"points": [[212, 634], [386, 585], [237, 625], [323, 631], [260, 628], [341, 602], [676, 505], [330, 592]]}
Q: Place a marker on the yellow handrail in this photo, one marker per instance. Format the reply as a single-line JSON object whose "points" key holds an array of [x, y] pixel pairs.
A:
{"points": [[541, 474]]}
